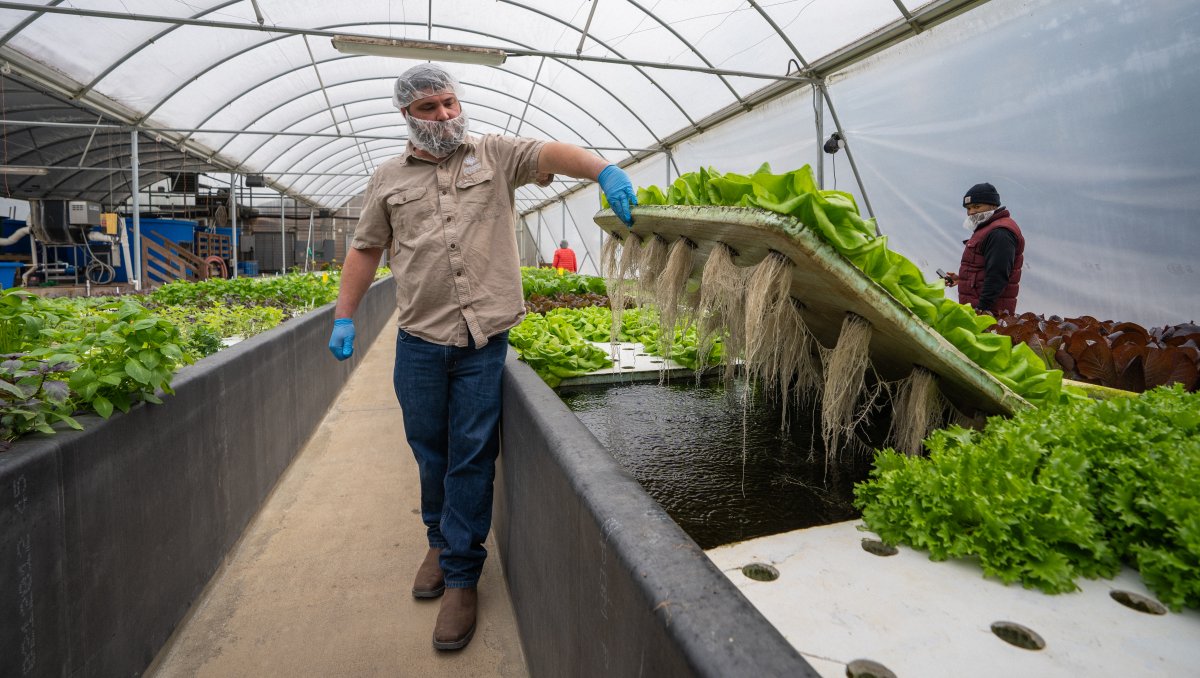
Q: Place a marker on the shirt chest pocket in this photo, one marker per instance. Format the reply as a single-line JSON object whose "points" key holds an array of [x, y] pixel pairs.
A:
{"points": [[476, 188], [410, 213]]}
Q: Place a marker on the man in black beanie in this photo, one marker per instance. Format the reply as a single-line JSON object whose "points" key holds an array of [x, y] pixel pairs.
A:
{"points": [[989, 274]]}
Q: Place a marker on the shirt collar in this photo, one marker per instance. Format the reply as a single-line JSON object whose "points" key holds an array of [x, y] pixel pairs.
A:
{"points": [[469, 144]]}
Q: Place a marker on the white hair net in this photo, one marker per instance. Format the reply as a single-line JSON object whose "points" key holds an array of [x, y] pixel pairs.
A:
{"points": [[423, 80]]}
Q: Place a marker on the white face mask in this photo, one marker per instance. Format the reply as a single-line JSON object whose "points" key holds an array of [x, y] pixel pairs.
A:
{"points": [[439, 138], [973, 220]]}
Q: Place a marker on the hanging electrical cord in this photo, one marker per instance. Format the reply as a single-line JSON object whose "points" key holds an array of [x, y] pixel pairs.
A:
{"points": [[833, 144], [97, 271], [217, 263]]}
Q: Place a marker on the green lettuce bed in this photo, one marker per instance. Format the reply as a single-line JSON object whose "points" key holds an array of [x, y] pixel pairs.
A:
{"points": [[555, 344]]}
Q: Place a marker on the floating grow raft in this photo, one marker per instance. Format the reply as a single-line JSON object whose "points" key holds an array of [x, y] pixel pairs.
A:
{"points": [[827, 288], [844, 600], [631, 363]]}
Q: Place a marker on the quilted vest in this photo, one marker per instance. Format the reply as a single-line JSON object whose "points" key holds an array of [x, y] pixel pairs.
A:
{"points": [[970, 269]]}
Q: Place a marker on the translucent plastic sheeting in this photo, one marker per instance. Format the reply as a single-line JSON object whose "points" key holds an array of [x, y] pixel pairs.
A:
{"points": [[1087, 127], [183, 76], [780, 132], [1092, 147]]}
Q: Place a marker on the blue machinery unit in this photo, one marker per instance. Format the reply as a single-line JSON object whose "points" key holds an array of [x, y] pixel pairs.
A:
{"points": [[70, 241]]}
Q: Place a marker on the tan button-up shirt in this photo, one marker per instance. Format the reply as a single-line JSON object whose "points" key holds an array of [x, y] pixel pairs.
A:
{"points": [[450, 227]]}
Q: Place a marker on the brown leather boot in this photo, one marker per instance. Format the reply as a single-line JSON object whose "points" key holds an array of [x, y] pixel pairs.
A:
{"points": [[429, 582], [456, 620]]}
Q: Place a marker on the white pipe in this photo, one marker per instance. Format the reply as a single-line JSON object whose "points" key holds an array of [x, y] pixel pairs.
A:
{"points": [[96, 236], [282, 235], [16, 235], [233, 210], [125, 249], [137, 212], [33, 266]]}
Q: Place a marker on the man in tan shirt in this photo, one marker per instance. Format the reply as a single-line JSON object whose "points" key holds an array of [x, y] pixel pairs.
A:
{"points": [[444, 210]]}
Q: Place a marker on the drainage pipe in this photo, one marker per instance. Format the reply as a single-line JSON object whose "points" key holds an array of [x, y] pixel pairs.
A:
{"points": [[33, 263], [16, 235]]}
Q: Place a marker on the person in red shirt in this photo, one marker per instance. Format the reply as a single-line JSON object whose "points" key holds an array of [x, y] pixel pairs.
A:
{"points": [[564, 257]]}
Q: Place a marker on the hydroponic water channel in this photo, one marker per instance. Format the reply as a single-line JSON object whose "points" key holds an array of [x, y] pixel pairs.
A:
{"points": [[721, 478]]}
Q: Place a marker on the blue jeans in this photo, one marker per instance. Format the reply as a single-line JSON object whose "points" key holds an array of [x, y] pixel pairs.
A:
{"points": [[450, 398]]}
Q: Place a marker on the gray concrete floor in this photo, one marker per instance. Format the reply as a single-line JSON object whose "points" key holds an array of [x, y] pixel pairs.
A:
{"points": [[319, 584]]}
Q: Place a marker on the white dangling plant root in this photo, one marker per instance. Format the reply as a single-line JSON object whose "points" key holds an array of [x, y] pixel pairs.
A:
{"points": [[762, 329], [845, 368], [721, 311], [779, 347], [652, 262], [620, 282], [917, 409], [669, 294], [608, 257]]}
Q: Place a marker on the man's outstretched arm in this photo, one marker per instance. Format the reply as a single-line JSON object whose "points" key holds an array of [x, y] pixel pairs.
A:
{"points": [[560, 158]]}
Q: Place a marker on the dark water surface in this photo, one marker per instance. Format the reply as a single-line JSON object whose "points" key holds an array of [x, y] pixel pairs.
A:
{"points": [[684, 444]]}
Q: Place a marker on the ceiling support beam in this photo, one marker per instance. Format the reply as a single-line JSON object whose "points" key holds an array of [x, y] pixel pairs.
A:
{"points": [[320, 81], [190, 130], [532, 88], [932, 14], [291, 30]]}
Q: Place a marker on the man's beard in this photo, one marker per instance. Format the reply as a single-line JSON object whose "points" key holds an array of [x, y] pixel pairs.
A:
{"points": [[439, 138], [972, 221]]}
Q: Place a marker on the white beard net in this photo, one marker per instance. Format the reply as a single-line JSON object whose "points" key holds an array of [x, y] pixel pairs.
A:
{"points": [[975, 219], [439, 138]]}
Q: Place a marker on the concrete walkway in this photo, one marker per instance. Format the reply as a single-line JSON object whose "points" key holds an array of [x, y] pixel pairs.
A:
{"points": [[319, 583]]}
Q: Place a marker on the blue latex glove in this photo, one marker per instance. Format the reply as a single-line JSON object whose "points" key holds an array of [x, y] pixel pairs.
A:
{"points": [[341, 342], [619, 191]]}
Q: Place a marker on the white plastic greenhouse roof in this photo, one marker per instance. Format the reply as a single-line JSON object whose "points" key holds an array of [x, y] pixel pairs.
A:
{"points": [[256, 86]]}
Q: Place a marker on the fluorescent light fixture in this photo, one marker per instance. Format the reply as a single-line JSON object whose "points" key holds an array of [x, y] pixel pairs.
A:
{"points": [[419, 49], [30, 171]]}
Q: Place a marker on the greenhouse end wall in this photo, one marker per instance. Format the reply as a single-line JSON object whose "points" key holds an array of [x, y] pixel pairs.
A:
{"points": [[603, 582], [110, 533]]}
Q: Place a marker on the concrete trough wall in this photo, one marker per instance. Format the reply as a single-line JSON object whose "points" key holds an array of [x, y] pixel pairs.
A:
{"points": [[603, 582], [109, 534]]}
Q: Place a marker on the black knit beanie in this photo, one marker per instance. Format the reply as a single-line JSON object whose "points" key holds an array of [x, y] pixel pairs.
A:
{"points": [[982, 194]]}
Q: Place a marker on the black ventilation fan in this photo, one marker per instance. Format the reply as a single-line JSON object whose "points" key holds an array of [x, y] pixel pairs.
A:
{"points": [[62, 222]]}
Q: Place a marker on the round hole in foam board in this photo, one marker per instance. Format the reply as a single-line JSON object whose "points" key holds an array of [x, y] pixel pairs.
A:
{"points": [[879, 548], [1136, 601], [760, 572], [867, 668], [1018, 635]]}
